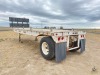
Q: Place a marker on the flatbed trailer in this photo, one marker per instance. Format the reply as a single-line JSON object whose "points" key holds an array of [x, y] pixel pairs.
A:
{"points": [[55, 43]]}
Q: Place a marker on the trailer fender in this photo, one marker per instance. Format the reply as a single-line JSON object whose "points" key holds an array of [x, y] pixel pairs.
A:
{"points": [[60, 51], [82, 47]]}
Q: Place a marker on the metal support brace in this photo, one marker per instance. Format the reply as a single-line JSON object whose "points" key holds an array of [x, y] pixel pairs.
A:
{"points": [[60, 51], [19, 37], [36, 38]]}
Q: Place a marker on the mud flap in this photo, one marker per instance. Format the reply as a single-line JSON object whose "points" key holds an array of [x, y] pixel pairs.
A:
{"points": [[60, 51], [82, 49]]}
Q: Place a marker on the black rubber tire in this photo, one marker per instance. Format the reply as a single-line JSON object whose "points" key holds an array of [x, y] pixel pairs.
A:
{"points": [[51, 45]]}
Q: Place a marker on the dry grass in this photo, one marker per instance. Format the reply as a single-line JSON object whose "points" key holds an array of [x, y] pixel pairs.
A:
{"points": [[1, 40], [25, 58], [5, 29], [91, 30]]}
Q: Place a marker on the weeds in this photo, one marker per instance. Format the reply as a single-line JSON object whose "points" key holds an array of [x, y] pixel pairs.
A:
{"points": [[1, 40]]}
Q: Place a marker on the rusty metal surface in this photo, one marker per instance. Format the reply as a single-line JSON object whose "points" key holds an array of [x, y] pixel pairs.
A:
{"points": [[73, 39]]}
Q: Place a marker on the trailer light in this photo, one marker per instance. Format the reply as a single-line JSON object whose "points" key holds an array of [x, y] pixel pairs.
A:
{"points": [[58, 38], [81, 36], [62, 38]]}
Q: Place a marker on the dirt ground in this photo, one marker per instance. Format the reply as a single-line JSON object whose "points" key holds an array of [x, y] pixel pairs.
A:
{"points": [[25, 58]]}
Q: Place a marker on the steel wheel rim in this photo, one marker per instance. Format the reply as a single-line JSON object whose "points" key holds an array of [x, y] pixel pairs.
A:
{"points": [[45, 48]]}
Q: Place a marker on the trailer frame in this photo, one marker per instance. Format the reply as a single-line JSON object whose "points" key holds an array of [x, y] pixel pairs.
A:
{"points": [[61, 39]]}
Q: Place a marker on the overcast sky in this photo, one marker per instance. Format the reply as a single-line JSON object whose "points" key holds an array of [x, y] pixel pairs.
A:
{"points": [[67, 13]]}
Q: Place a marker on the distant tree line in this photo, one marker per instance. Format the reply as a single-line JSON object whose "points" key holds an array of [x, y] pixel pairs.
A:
{"points": [[61, 27], [46, 27]]}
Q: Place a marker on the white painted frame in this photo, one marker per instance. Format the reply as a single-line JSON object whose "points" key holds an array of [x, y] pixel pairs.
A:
{"points": [[55, 33]]}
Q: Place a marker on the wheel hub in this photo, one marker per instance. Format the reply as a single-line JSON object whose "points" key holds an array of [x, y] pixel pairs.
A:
{"points": [[45, 48]]}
